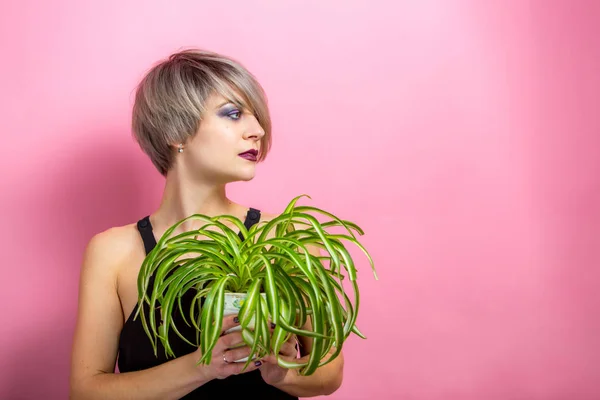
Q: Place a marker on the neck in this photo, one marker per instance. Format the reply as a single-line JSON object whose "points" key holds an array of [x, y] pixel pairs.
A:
{"points": [[183, 197]]}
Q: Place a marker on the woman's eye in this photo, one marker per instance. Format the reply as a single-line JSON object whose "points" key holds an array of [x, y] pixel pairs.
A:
{"points": [[235, 115]]}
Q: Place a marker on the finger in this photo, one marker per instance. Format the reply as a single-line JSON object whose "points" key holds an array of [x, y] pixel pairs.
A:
{"points": [[288, 349], [290, 346], [272, 360], [293, 339], [232, 339], [238, 368], [233, 355], [269, 359], [230, 321]]}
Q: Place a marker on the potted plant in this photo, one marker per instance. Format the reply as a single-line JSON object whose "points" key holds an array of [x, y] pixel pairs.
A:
{"points": [[271, 270]]}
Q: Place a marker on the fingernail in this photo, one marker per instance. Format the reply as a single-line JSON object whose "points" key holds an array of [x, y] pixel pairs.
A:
{"points": [[272, 325], [258, 363], [236, 319]]}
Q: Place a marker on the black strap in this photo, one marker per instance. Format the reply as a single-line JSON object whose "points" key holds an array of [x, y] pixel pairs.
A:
{"points": [[145, 228], [252, 217]]}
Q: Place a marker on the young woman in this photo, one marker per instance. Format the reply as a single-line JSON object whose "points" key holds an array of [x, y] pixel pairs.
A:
{"points": [[203, 121]]}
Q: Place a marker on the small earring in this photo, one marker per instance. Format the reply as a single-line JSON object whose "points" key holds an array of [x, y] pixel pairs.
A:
{"points": [[180, 148]]}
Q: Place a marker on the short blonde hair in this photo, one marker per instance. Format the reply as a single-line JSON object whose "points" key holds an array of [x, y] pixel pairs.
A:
{"points": [[171, 99]]}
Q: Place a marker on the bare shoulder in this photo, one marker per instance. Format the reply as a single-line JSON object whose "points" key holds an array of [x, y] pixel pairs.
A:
{"points": [[111, 248], [99, 315]]}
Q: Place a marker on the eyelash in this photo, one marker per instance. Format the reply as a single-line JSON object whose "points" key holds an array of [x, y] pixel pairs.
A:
{"points": [[234, 112]]}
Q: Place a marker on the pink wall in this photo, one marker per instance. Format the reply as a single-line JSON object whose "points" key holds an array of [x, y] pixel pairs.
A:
{"points": [[463, 138]]}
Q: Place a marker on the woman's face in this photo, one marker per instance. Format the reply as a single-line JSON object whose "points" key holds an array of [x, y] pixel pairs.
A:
{"points": [[216, 153]]}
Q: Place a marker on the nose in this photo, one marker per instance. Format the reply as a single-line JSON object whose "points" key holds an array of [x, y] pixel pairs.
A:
{"points": [[253, 129]]}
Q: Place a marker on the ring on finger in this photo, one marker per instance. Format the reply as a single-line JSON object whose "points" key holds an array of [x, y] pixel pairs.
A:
{"points": [[224, 359]]}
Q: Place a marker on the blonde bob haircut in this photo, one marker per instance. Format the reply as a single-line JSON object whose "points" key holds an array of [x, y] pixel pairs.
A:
{"points": [[171, 99]]}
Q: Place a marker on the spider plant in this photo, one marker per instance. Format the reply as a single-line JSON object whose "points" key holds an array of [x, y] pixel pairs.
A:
{"points": [[283, 282]]}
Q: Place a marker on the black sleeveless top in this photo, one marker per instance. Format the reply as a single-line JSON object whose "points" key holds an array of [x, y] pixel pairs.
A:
{"points": [[136, 352]]}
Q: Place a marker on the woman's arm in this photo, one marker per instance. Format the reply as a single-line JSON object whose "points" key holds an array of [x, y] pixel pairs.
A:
{"points": [[98, 327], [99, 323], [171, 380]]}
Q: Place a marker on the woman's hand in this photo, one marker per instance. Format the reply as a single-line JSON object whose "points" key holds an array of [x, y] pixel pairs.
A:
{"points": [[271, 372], [226, 351]]}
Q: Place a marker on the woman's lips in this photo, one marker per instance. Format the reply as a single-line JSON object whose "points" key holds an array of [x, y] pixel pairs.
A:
{"points": [[249, 155]]}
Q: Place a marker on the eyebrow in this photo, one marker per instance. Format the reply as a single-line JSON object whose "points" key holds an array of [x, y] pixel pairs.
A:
{"points": [[225, 103]]}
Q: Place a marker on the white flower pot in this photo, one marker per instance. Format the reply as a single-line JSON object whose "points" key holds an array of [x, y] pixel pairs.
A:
{"points": [[233, 303]]}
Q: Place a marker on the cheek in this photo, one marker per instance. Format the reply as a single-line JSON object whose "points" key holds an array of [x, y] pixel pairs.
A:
{"points": [[205, 156], [217, 142], [211, 155], [216, 136]]}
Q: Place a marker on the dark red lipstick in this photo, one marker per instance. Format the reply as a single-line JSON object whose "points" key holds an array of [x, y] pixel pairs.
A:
{"points": [[249, 155]]}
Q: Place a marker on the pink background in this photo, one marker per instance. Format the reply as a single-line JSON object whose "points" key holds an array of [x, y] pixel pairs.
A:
{"points": [[462, 136]]}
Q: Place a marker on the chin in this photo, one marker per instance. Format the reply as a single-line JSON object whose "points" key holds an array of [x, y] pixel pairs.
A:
{"points": [[241, 177], [246, 174], [246, 178]]}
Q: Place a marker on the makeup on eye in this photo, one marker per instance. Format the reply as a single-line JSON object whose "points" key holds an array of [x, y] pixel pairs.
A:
{"points": [[230, 111]]}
